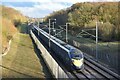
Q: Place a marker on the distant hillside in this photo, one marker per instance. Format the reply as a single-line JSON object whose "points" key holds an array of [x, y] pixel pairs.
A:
{"points": [[12, 14], [10, 18], [84, 15]]}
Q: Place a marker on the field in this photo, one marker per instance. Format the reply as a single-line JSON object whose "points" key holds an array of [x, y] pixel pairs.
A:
{"points": [[23, 60]]}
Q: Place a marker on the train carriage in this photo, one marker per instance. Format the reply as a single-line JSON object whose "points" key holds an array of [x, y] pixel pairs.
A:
{"points": [[70, 56]]}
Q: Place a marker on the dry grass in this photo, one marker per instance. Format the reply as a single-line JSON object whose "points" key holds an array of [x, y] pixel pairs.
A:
{"points": [[8, 29], [21, 61]]}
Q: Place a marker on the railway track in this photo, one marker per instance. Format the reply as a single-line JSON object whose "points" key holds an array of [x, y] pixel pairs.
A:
{"points": [[93, 70]]}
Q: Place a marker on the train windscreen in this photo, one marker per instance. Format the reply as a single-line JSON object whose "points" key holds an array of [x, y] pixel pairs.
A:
{"points": [[75, 54]]}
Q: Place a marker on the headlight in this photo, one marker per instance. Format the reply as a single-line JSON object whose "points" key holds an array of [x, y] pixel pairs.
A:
{"points": [[77, 63]]}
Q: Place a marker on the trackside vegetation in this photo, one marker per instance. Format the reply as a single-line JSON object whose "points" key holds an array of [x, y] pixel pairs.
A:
{"points": [[85, 15], [11, 18]]}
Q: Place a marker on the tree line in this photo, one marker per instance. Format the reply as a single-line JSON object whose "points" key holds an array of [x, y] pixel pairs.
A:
{"points": [[85, 15]]}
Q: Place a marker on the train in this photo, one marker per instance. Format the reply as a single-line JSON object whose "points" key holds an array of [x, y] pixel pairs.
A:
{"points": [[71, 57]]}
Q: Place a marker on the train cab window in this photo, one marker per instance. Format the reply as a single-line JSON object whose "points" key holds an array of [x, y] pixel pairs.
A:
{"points": [[75, 54]]}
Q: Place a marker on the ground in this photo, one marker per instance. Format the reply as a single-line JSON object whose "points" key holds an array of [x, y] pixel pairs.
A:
{"points": [[23, 60]]}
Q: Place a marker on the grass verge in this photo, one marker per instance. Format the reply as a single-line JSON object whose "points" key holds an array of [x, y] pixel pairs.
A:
{"points": [[21, 61]]}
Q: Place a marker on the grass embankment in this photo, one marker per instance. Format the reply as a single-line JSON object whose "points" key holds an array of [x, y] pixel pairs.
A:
{"points": [[21, 61], [8, 28]]}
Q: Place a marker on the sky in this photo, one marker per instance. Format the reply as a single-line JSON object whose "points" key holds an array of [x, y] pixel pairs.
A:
{"points": [[42, 8]]}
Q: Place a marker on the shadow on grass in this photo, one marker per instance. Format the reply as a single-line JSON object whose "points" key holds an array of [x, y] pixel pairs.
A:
{"points": [[21, 58], [45, 68], [24, 29]]}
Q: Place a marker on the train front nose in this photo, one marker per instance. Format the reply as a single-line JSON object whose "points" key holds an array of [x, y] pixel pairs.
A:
{"points": [[78, 63]]}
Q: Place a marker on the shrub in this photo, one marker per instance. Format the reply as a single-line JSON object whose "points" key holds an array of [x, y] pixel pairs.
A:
{"points": [[106, 31], [117, 32], [17, 23]]}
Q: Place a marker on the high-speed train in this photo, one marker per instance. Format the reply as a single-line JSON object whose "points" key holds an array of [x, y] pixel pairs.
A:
{"points": [[71, 57]]}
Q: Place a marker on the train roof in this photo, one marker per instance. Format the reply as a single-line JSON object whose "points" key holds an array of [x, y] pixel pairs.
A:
{"points": [[55, 40], [62, 43]]}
